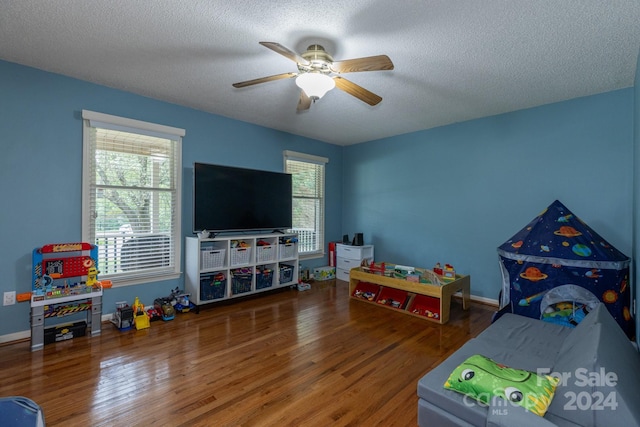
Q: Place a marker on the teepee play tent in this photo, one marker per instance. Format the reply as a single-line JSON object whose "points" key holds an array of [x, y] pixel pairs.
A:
{"points": [[557, 269]]}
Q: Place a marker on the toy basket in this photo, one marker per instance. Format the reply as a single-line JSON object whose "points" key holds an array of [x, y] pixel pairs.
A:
{"points": [[395, 298], [424, 305], [212, 258], [213, 286], [287, 250], [264, 278], [367, 291], [265, 253], [240, 256], [286, 273], [240, 282]]}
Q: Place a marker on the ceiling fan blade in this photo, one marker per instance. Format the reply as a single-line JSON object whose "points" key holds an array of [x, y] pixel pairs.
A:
{"points": [[358, 91], [369, 63], [265, 79], [304, 102], [286, 52]]}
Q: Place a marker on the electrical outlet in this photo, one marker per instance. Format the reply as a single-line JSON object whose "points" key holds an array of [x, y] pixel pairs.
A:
{"points": [[9, 298]]}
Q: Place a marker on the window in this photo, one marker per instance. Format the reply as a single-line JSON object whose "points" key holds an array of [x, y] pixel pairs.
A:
{"points": [[131, 197], [308, 200]]}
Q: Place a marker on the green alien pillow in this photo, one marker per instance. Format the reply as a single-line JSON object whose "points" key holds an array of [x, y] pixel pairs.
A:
{"points": [[482, 379]]}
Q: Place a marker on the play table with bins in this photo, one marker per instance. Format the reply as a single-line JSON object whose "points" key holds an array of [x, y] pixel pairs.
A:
{"points": [[431, 300]]}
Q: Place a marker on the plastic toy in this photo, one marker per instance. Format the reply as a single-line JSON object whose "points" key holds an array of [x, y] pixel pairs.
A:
{"points": [[303, 286], [380, 268], [239, 244], [437, 269], [153, 314], [61, 261], [286, 240], [92, 276], [180, 301], [390, 302], [184, 305], [123, 316], [164, 308], [140, 317], [448, 273], [368, 295]]}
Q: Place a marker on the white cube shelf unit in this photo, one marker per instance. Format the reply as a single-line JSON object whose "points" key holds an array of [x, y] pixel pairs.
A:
{"points": [[232, 266]]}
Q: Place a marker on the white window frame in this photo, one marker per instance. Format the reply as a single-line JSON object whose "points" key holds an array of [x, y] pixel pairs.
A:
{"points": [[93, 119], [320, 227]]}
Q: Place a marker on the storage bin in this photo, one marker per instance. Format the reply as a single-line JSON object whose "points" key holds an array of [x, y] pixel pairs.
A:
{"points": [[264, 278], [213, 286], [265, 253], [211, 258], [288, 250], [240, 256], [65, 332], [286, 273], [240, 282], [424, 305], [367, 291], [392, 297], [324, 273]]}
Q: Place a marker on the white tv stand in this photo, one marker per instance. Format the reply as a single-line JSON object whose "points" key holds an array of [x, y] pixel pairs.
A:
{"points": [[218, 269]]}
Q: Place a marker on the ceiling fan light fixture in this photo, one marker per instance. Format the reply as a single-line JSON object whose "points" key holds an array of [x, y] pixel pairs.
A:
{"points": [[315, 85]]}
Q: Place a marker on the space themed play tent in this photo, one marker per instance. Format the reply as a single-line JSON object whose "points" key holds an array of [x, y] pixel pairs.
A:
{"points": [[557, 269]]}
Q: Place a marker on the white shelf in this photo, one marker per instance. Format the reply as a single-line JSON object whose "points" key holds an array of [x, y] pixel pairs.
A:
{"points": [[210, 265]]}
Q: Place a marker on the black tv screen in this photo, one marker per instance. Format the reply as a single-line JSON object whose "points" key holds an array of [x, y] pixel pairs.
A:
{"points": [[228, 198]]}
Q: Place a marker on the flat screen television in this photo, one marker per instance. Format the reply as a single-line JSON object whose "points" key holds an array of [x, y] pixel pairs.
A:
{"points": [[227, 198]]}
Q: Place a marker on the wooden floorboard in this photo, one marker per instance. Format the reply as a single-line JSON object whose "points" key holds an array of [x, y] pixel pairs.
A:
{"points": [[287, 358]]}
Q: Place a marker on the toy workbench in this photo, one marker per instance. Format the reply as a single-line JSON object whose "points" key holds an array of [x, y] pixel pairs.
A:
{"points": [[63, 283]]}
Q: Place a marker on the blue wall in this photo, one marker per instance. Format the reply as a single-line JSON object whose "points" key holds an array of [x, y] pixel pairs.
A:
{"points": [[454, 193], [41, 168], [450, 194]]}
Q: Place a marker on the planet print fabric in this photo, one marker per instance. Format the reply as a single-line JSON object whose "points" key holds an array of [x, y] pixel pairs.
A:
{"points": [[559, 256]]}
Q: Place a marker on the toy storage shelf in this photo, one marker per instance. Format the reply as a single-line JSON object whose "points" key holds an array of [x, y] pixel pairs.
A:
{"points": [[226, 267], [426, 301]]}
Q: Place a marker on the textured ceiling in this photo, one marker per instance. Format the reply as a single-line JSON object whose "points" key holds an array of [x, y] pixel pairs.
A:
{"points": [[454, 60]]}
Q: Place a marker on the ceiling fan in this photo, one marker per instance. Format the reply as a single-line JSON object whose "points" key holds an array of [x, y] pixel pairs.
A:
{"points": [[318, 73]]}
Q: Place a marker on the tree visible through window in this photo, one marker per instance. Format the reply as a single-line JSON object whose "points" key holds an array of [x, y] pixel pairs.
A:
{"points": [[131, 197], [308, 200]]}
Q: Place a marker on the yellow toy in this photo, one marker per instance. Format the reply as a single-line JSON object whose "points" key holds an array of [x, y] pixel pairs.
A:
{"points": [[92, 276], [140, 317]]}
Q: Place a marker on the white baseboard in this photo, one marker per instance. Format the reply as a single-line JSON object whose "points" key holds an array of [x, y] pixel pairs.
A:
{"points": [[488, 301], [483, 300], [16, 336], [25, 335]]}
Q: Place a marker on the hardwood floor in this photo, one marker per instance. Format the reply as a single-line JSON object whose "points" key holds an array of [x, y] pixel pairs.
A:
{"points": [[289, 358]]}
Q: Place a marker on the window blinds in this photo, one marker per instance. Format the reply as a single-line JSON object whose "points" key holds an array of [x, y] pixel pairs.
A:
{"points": [[132, 197], [308, 200]]}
